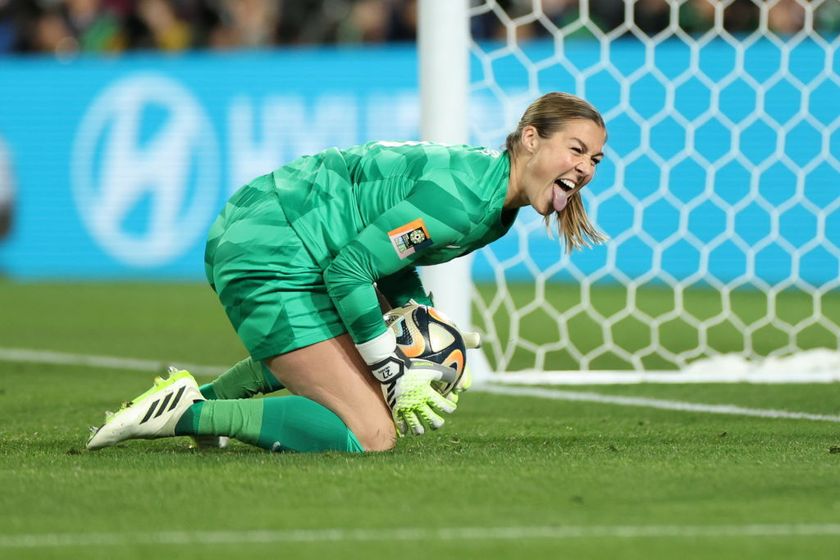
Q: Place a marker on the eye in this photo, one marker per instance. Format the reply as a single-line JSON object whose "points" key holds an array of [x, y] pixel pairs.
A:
{"points": [[596, 161], [577, 150]]}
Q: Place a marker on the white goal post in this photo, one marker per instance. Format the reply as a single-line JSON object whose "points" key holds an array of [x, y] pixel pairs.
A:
{"points": [[720, 188], [443, 48], [443, 45]]}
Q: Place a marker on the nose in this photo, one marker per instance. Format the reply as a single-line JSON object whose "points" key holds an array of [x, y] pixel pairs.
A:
{"points": [[584, 167]]}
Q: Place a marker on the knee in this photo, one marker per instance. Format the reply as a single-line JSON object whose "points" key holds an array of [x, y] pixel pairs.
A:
{"points": [[379, 436]]}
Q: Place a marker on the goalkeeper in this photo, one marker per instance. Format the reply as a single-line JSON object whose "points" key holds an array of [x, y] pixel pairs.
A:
{"points": [[297, 258]]}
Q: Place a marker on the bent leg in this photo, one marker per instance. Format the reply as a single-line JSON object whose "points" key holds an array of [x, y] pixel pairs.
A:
{"points": [[244, 380], [333, 374], [338, 406], [274, 423]]}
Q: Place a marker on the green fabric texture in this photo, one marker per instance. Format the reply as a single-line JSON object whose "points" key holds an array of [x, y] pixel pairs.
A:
{"points": [[270, 383], [271, 288], [244, 380], [188, 423], [419, 204], [294, 255], [401, 287], [208, 392], [275, 423]]}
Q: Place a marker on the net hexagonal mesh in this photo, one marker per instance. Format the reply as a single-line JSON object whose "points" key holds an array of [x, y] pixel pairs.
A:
{"points": [[720, 189]]}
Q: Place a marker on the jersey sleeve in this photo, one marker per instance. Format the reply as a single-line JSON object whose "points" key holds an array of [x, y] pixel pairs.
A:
{"points": [[431, 215], [402, 286]]}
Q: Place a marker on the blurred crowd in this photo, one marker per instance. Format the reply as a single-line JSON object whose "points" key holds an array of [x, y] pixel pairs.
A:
{"points": [[651, 17], [113, 26]]}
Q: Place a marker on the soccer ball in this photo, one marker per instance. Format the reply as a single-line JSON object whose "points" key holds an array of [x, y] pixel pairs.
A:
{"points": [[425, 333]]}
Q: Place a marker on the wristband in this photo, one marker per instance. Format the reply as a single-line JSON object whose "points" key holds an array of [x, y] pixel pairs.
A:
{"points": [[378, 349]]}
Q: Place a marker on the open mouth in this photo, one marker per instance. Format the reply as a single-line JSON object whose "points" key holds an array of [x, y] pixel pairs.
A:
{"points": [[566, 185], [560, 193], [559, 198]]}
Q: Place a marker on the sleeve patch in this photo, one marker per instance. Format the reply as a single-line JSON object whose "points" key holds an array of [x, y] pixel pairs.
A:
{"points": [[410, 238]]}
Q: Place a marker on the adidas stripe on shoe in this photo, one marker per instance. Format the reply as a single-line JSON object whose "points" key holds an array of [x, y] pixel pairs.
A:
{"points": [[153, 414]]}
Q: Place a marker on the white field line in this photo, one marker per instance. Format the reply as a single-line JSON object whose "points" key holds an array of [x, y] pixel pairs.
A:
{"points": [[720, 375], [27, 355], [152, 366], [527, 377], [652, 403], [52, 540]]}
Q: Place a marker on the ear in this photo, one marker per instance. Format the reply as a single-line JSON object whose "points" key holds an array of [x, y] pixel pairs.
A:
{"points": [[530, 139]]}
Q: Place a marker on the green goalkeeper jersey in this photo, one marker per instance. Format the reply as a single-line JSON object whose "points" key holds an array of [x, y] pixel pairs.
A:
{"points": [[370, 213]]}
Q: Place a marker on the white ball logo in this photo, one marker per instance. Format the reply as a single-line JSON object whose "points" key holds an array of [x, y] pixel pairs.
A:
{"points": [[145, 170]]}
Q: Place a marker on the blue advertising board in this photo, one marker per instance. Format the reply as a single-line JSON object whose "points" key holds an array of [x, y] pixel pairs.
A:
{"points": [[121, 164]]}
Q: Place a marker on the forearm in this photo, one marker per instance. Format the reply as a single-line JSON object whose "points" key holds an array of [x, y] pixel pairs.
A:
{"points": [[385, 253], [357, 304]]}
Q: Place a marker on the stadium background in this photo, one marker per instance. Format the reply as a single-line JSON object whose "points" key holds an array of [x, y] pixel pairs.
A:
{"points": [[632, 471], [120, 155]]}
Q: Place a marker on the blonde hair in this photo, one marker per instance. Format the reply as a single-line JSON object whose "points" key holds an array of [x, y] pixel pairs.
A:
{"points": [[547, 115]]}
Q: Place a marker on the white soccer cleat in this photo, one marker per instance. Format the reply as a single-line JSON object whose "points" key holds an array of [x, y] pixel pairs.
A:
{"points": [[153, 414]]}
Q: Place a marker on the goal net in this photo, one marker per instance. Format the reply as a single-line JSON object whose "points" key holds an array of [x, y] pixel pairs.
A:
{"points": [[720, 189]]}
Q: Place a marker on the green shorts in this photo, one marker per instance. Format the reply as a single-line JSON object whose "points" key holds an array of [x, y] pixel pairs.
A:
{"points": [[270, 286]]}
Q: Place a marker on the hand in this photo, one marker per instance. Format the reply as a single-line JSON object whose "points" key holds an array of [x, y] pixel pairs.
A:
{"points": [[408, 388]]}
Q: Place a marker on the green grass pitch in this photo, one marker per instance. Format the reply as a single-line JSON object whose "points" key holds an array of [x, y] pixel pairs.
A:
{"points": [[508, 477]]}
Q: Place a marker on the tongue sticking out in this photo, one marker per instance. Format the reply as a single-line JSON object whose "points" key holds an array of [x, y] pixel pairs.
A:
{"points": [[559, 199]]}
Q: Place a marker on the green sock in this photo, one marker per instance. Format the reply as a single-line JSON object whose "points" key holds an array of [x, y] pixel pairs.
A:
{"points": [[276, 423], [244, 380]]}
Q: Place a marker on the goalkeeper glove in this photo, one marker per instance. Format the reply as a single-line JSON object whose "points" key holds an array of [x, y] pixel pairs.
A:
{"points": [[407, 385]]}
